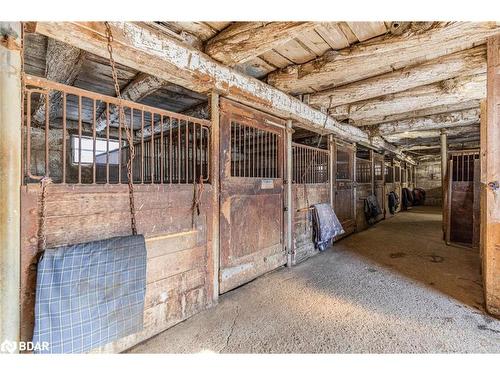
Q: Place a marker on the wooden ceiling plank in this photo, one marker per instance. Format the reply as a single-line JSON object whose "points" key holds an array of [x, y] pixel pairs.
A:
{"points": [[314, 42], [276, 59], [295, 52], [332, 35], [467, 62], [364, 60], [243, 41], [347, 31], [367, 30]]}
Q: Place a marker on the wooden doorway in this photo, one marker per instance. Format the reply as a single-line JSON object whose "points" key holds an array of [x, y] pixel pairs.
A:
{"points": [[344, 193], [251, 194]]}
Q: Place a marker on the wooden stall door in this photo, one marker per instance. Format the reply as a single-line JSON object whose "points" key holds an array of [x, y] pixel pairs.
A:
{"points": [[251, 194], [344, 194]]}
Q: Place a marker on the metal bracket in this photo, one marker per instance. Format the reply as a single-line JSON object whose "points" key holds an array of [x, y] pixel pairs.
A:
{"points": [[494, 185]]}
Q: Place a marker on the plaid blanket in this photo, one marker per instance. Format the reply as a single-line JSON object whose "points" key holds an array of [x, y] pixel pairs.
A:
{"points": [[90, 294]]}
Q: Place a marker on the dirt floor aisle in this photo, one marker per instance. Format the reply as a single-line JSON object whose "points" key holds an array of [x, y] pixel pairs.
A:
{"points": [[392, 288]]}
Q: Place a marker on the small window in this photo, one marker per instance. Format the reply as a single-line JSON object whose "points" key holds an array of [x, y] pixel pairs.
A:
{"points": [[101, 150]]}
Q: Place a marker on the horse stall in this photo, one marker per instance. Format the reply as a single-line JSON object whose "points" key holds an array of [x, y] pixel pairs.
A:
{"points": [[364, 184], [252, 171], [462, 219], [84, 149], [310, 185], [345, 190]]}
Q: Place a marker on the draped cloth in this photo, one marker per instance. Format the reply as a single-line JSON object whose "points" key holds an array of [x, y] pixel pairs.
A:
{"points": [[90, 294], [326, 225]]}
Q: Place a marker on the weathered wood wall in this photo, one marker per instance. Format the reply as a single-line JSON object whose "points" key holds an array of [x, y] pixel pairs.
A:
{"points": [[179, 267], [303, 243]]}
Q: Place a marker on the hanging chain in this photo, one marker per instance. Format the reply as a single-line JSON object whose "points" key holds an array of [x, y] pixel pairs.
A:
{"points": [[198, 191], [128, 131], [42, 225]]}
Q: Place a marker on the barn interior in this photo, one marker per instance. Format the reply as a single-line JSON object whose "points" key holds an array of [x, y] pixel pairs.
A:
{"points": [[218, 140]]}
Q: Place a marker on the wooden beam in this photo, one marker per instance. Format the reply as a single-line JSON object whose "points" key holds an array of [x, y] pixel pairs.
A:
{"points": [[243, 41], [468, 62], [155, 53], [63, 63], [432, 122], [435, 142], [415, 137], [449, 92], [419, 43], [140, 87]]}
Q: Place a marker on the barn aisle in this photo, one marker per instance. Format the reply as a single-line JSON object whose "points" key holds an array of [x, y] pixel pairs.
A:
{"points": [[392, 288]]}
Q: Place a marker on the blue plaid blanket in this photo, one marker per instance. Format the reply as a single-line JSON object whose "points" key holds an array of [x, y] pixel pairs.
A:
{"points": [[89, 294]]}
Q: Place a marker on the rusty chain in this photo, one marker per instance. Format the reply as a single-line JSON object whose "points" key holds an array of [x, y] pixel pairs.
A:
{"points": [[128, 132], [42, 225]]}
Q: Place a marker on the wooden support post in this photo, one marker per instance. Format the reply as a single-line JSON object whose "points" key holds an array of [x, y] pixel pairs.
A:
{"points": [[444, 187], [10, 178], [331, 173], [444, 155], [355, 188], [214, 172], [491, 152], [289, 213]]}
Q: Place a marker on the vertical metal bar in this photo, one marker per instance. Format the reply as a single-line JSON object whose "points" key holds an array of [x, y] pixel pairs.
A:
{"points": [[162, 151], [93, 139], [170, 149], [194, 152], [79, 139], [47, 130], [152, 156], [186, 150], [132, 166], [239, 150], [142, 146], [107, 142], [178, 151], [64, 138], [120, 144]]}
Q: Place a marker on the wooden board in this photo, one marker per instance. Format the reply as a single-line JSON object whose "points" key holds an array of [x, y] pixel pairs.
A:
{"points": [[179, 266]]}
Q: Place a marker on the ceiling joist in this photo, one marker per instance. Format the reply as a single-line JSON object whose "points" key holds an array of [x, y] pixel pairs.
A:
{"points": [[468, 62], [448, 92], [419, 43]]}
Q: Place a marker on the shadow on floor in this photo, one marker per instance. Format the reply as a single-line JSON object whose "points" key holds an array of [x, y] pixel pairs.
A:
{"points": [[411, 244]]}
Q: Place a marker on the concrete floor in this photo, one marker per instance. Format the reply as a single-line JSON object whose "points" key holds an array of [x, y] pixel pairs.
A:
{"points": [[392, 288]]}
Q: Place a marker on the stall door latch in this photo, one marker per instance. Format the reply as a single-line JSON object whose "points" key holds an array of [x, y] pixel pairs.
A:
{"points": [[494, 185]]}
